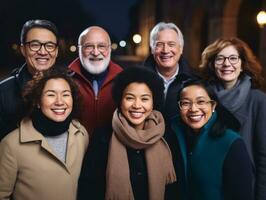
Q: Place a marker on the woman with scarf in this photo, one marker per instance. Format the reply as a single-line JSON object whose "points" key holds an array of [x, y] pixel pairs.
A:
{"points": [[139, 160], [42, 158], [238, 80], [210, 157]]}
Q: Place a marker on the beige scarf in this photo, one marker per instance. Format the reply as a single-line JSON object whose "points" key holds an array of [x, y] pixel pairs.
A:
{"points": [[157, 153]]}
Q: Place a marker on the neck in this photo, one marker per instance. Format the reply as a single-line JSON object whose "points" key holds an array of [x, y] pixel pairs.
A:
{"points": [[228, 85], [167, 72]]}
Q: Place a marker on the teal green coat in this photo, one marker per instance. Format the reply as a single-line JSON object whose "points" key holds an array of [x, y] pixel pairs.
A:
{"points": [[203, 167]]}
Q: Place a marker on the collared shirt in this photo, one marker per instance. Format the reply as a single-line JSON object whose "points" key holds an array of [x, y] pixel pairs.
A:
{"points": [[169, 81]]}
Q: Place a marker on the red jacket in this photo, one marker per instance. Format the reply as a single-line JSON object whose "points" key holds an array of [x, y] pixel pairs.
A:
{"points": [[95, 110]]}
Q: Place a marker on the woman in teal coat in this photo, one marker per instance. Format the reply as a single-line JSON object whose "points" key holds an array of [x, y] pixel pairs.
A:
{"points": [[211, 160]]}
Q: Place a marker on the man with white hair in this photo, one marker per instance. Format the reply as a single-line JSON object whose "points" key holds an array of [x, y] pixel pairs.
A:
{"points": [[166, 43], [94, 72]]}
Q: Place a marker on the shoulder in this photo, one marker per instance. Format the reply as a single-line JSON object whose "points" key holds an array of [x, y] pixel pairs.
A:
{"points": [[12, 78], [231, 133], [7, 82], [78, 126], [114, 67], [257, 95], [11, 138]]}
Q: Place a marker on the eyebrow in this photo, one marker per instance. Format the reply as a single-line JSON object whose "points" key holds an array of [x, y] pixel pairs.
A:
{"points": [[55, 91], [128, 93]]}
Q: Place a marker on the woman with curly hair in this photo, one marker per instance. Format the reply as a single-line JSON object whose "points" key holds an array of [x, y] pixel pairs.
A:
{"points": [[42, 158], [238, 80]]}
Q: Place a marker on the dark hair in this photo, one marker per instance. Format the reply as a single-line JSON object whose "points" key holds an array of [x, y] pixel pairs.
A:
{"points": [[139, 74], [37, 23], [225, 119], [32, 92]]}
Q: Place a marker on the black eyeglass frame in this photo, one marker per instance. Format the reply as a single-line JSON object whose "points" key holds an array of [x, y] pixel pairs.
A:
{"points": [[40, 44]]}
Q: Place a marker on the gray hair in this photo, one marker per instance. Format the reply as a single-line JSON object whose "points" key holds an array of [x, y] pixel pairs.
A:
{"points": [[162, 26]]}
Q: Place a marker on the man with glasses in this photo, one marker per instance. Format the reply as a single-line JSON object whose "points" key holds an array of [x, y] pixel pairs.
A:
{"points": [[94, 73], [39, 46], [166, 43]]}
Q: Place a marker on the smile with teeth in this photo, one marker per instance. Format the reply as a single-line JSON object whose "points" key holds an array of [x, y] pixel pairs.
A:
{"points": [[95, 59], [165, 58], [42, 60], [195, 118], [135, 114], [227, 71], [59, 111]]}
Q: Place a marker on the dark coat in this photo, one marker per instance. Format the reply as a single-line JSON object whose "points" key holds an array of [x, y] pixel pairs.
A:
{"points": [[170, 108], [92, 182], [252, 116], [12, 109]]}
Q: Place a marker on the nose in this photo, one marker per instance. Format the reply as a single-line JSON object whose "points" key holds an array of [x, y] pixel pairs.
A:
{"points": [[193, 107], [95, 51], [42, 50], [136, 103], [59, 100], [165, 48], [226, 62]]}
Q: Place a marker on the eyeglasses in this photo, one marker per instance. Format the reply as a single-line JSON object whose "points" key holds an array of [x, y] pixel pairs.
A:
{"points": [[186, 104], [90, 47], [36, 46], [233, 59]]}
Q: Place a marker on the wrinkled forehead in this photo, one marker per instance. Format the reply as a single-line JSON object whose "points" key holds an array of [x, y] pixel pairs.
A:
{"points": [[167, 35]]}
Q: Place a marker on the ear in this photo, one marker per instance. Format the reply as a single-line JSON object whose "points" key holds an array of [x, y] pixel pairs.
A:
{"points": [[56, 53], [22, 50], [214, 104]]}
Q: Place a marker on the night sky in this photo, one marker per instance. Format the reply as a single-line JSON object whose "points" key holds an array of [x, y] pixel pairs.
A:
{"points": [[70, 16]]}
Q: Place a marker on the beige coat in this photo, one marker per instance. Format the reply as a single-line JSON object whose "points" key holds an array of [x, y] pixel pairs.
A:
{"points": [[30, 170]]}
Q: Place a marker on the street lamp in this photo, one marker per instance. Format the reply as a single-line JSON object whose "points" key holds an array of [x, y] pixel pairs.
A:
{"points": [[137, 38], [261, 18]]}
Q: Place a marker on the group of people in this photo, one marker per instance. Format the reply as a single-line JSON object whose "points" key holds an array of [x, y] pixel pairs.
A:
{"points": [[161, 130]]}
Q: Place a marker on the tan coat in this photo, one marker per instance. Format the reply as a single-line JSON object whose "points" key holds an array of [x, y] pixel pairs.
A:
{"points": [[30, 170]]}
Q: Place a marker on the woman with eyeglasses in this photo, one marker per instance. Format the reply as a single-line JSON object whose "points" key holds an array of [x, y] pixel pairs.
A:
{"points": [[210, 157], [42, 158], [238, 80]]}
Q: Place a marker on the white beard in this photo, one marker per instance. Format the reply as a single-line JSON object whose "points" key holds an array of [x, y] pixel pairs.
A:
{"points": [[91, 67]]}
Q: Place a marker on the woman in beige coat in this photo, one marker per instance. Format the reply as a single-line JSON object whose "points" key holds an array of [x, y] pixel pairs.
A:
{"points": [[42, 158]]}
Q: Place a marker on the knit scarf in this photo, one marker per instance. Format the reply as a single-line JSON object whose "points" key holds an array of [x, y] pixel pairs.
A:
{"points": [[48, 127], [157, 154], [233, 98]]}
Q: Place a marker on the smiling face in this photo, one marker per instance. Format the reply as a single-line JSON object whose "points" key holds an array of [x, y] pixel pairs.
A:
{"points": [[167, 50], [56, 100], [95, 51], [227, 72], [200, 111], [137, 104], [42, 59]]}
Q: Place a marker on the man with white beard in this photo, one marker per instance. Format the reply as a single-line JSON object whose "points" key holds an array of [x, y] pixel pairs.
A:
{"points": [[94, 72]]}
